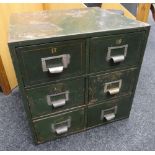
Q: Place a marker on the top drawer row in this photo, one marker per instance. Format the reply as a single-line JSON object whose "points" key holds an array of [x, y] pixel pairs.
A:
{"points": [[53, 61]]}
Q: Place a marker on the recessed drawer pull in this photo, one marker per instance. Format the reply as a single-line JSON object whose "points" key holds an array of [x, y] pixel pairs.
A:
{"points": [[55, 64], [56, 69], [113, 91], [61, 129], [113, 88], [58, 100], [117, 59], [109, 114]]}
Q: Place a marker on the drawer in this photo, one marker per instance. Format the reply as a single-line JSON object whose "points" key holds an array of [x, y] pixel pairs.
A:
{"points": [[53, 61], [111, 85], [59, 125], [108, 111], [115, 51], [56, 97]]}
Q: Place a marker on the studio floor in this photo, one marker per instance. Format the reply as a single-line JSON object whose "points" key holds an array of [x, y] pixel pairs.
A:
{"points": [[135, 133]]}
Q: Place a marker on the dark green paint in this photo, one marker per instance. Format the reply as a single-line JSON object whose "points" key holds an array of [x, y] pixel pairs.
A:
{"points": [[99, 49], [31, 65], [97, 84], [33, 35], [22, 90], [94, 112], [38, 96], [44, 130]]}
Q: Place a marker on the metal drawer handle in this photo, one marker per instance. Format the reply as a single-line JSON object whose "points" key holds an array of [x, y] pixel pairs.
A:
{"points": [[61, 130], [109, 114], [113, 91], [117, 59], [55, 64], [112, 55], [113, 88], [61, 127], [58, 102], [109, 117], [58, 69]]}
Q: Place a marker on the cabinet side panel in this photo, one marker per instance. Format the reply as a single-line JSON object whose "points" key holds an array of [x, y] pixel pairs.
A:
{"points": [[21, 87], [143, 47]]}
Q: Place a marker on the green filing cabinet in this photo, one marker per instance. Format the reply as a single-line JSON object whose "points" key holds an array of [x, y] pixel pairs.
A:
{"points": [[76, 69]]}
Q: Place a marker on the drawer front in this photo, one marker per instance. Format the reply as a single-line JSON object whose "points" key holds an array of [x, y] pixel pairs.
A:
{"points": [[53, 61], [59, 125], [115, 51], [111, 85], [56, 97], [108, 111]]}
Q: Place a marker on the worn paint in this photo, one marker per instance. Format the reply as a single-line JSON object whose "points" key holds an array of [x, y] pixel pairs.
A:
{"points": [[47, 24], [33, 72], [38, 97], [123, 105], [85, 27], [97, 85]]}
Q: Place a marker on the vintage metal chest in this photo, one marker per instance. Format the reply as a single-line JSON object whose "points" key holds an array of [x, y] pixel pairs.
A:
{"points": [[76, 69]]}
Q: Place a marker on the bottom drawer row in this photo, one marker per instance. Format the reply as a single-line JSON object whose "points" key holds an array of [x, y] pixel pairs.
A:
{"points": [[78, 120]]}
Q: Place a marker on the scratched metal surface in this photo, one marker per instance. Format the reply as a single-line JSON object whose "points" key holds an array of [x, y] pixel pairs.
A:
{"points": [[47, 24]]}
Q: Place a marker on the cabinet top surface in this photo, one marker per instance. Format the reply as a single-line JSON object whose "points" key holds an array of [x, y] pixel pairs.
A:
{"points": [[48, 24]]}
